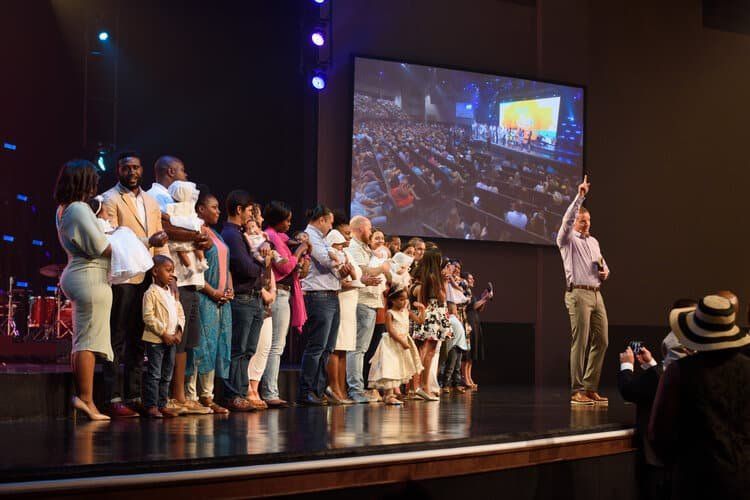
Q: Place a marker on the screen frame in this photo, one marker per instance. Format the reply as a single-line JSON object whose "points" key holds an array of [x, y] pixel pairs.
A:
{"points": [[353, 61]]}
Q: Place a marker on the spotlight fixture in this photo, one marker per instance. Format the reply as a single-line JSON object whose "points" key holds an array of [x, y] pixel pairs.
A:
{"points": [[319, 2], [318, 80], [102, 150], [103, 36], [318, 37]]}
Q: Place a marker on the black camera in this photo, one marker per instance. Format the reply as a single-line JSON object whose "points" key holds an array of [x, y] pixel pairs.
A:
{"points": [[636, 346]]}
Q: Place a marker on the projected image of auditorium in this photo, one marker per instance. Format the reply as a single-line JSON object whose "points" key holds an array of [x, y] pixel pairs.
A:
{"points": [[442, 153]]}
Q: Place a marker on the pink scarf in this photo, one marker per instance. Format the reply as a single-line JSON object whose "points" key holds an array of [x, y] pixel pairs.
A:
{"points": [[296, 301]]}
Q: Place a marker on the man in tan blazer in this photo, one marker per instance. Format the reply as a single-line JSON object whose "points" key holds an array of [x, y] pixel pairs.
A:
{"points": [[128, 205]]}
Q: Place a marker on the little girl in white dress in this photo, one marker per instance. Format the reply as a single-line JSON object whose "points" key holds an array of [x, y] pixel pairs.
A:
{"points": [[396, 359], [130, 256], [182, 214]]}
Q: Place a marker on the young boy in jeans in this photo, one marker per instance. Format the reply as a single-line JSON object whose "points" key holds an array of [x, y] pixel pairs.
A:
{"points": [[164, 319]]}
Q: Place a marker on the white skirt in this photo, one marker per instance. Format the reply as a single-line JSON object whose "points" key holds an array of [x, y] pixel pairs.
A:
{"points": [[130, 257], [347, 338], [392, 365]]}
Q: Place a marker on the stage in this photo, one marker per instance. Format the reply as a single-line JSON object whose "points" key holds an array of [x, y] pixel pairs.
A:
{"points": [[303, 450]]}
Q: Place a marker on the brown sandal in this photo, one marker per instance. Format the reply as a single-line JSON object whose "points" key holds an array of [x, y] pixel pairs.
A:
{"points": [[216, 408]]}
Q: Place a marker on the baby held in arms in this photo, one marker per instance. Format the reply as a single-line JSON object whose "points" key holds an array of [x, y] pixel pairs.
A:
{"points": [[191, 260], [400, 264], [258, 240], [337, 254], [130, 257]]}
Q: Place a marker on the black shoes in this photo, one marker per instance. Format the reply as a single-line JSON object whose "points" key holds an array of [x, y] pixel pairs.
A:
{"points": [[310, 400]]}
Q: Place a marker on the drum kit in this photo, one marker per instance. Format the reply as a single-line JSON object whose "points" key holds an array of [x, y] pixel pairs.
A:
{"points": [[49, 317]]}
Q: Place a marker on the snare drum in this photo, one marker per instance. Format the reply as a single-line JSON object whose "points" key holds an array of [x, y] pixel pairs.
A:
{"points": [[41, 311]]}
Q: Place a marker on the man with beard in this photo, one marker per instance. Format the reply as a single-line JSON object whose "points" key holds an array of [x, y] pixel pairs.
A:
{"points": [[128, 205]]}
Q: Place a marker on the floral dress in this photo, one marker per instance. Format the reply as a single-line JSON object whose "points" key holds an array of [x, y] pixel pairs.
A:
{"points": [[436, 325]]}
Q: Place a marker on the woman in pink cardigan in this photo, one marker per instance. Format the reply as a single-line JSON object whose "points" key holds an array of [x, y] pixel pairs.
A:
{"points": [[289, 308]]}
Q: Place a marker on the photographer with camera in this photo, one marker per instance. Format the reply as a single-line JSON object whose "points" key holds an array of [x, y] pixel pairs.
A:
{"points": [[640, 388]]}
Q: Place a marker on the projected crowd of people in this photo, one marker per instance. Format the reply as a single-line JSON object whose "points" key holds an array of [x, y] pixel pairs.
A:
{"points": [[453, 154], [406, 173]]}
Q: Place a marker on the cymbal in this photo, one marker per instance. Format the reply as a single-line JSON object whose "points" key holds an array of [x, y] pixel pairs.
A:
{"points": [[52, 270]]}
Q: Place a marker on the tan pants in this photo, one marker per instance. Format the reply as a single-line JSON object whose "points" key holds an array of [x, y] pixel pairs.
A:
{"points": [[206, 381], [589, 338]]}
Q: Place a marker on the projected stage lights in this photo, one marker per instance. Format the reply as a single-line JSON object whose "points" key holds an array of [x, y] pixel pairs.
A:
{"points": [[103, 36]]}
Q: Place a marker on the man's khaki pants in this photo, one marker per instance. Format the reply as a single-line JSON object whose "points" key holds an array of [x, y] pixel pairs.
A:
{"points": [[589, 339]]}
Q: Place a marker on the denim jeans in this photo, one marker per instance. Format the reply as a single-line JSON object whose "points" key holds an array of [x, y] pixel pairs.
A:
{"points": [[281, 315], [158, 374], [320, 331], [355, 359], [247, 319], [452, 370]]}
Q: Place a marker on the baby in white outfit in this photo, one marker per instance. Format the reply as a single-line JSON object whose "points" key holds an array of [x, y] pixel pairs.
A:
{"points": [[182, 214], [257, 239]]}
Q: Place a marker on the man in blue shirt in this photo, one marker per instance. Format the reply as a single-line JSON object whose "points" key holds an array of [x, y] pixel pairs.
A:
{"points": [[321, 288], [247, 305]]}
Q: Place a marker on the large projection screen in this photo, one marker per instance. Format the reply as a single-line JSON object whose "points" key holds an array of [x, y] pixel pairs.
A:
{"points": [[444, 153]]}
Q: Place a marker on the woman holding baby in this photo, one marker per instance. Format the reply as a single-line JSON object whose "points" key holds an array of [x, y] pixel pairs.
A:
{"points": [[289, 307]]}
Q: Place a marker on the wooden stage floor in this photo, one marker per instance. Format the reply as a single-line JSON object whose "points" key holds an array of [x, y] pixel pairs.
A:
{"points": [[311, 449]]}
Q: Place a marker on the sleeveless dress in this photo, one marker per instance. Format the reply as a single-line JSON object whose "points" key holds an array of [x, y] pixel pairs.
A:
{"points": [[392, 365], [436, 325], [347, 337]]}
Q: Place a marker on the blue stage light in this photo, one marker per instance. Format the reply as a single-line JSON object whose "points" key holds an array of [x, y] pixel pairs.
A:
{"points": [[469, 107], [101, 164], [318, 38], [22, 284], [8, 238], [22, 197], [319, 81], [103, 36], [319, 2], [9, 146], [52, 289], [37, 243]]}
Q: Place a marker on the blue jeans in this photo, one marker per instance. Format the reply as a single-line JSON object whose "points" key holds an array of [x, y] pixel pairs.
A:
{"points": [[281, 314], [320, 331], [158, 374], [247, 319], [355, 359]]}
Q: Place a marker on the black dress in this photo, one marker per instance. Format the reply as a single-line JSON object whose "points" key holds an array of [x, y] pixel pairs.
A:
{"points": [[475, 337]]}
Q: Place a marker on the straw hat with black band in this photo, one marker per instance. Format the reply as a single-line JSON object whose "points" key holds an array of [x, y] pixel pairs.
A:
{"points": [[708, 327]]}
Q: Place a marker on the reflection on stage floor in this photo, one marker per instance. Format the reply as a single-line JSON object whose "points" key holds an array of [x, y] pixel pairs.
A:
{"points": [[55, 448]]}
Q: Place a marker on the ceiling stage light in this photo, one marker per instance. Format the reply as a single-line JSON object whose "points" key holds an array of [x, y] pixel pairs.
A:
{"points": [[318, 38], [318, 81], [103, 36]]}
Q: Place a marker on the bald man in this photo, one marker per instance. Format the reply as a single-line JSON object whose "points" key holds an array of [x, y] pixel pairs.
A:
{"points": [[369, 301], [167, 170]]}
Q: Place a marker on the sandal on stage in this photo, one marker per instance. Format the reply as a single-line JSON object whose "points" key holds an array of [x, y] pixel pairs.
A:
{"points": [[393, 401], [80, 406]]}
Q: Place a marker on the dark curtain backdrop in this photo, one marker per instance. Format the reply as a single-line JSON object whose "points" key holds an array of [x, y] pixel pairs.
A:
{"points": [[221, 85]]}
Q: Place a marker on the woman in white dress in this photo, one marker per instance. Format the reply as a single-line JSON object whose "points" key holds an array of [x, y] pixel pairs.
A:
{"points": [[347, 336]]}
